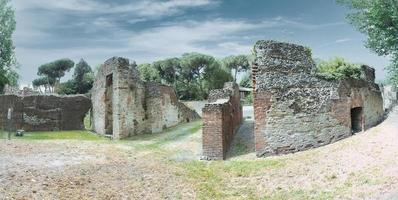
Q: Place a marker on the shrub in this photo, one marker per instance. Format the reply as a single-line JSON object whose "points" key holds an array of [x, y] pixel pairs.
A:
{"points": [[338, 68]]}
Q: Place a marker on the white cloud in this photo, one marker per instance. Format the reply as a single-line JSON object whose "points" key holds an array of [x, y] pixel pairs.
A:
{"points": [[338, 41], [142, 8], [342, 40], [301, 25], [191, 36]]}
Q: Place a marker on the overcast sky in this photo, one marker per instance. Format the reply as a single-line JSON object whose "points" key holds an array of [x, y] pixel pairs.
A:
{"points": [[148, 30]]}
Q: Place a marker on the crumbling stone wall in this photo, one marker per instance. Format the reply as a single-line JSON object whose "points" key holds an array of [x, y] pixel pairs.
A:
{"points": [[295, 110], [45, 112], [137, 107], [221, 119], [390, 96]]}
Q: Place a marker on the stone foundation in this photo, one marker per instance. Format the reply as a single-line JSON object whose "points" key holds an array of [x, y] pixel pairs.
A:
{"points": [[222, 117], [44, 112], [295, 110], [124, 105]]}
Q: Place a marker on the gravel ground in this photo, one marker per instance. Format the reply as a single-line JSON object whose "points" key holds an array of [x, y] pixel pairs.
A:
{"points": [[360, 167]]}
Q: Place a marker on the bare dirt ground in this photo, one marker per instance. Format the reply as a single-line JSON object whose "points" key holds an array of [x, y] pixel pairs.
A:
{"points": [[166, 166]]}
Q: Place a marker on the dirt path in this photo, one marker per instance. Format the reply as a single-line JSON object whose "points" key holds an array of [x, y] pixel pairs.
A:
{"points": [[166, 166]]}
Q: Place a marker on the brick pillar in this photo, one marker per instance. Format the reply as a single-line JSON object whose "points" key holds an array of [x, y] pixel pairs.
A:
{"points": [[213, 140]]}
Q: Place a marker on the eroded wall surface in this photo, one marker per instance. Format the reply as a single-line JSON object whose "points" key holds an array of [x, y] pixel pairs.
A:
{"points": [[222, 117], [390, 96], [295, 110], [44, 112], [137, 107]]}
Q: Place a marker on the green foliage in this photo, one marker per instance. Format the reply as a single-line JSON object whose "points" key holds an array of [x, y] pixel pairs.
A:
{"points": [[192, 76], [168, 69], [68, 87], [8, 62], [45, 82], [246, 81], [83, 77], [239, 63], [57, 135], [338, 68], [148, 72], [52, 72], [378, 19], [249, 99], [199, 74], [56, 69]]}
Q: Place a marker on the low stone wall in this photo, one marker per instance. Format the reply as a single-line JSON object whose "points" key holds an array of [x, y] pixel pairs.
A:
{"points": [[45, 112], [222, 117]]}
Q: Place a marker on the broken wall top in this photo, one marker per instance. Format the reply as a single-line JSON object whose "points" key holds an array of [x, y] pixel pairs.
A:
{"points": [[279, 65], [282, 58]]}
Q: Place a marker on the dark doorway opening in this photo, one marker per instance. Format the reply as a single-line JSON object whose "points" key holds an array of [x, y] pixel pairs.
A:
{"points": [[109, 105], [356, 119]]}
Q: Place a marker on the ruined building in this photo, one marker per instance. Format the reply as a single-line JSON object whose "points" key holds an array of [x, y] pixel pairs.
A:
{"points": [[296, 110], [43, 112], [124, 105], [222, 117]]}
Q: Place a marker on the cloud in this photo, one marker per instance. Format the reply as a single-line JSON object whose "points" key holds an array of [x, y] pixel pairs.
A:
{"points": [[190, 36], [142, 8], [302, 25], [338, 41]]}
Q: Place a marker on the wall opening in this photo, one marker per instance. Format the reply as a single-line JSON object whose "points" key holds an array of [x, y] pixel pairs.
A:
{"points": [[109, 105], [356, 119]]}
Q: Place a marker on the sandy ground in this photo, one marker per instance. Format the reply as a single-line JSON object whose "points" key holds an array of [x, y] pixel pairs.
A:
{"points": [[364, 166]]}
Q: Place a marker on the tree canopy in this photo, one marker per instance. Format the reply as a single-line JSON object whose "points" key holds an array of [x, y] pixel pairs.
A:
{"points": [[82, 81], [192, 75], [378, 19], [148, 72], [8, 62], [239, 63], [53, 72]]}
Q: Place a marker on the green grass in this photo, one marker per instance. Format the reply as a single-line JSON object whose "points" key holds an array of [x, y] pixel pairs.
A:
{"points": [[157, 140], [56, 135], [209, 178]]}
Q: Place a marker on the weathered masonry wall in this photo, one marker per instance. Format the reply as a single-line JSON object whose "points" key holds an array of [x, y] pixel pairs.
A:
{"points": [[295, 110], [45, 112], [221, 118], [390, 96], [124, 105]]}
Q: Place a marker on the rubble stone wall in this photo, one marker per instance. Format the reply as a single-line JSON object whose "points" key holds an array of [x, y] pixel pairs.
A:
{"points": [[295, 110], [45, 112], [137, 107], [222, 117]]}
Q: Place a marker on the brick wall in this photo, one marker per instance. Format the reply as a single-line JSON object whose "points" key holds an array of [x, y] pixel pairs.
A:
{"points": [[138, 107], [222, 117]]}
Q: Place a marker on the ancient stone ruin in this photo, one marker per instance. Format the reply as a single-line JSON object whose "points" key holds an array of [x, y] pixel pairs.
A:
{"points": [[222, 117], [390, 97], [124, 105], [44, 112], [296, 110]]}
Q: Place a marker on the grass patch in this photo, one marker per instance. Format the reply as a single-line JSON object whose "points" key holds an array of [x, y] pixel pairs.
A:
{"points": [[55, 135], [209, 178], [157, 140]]}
